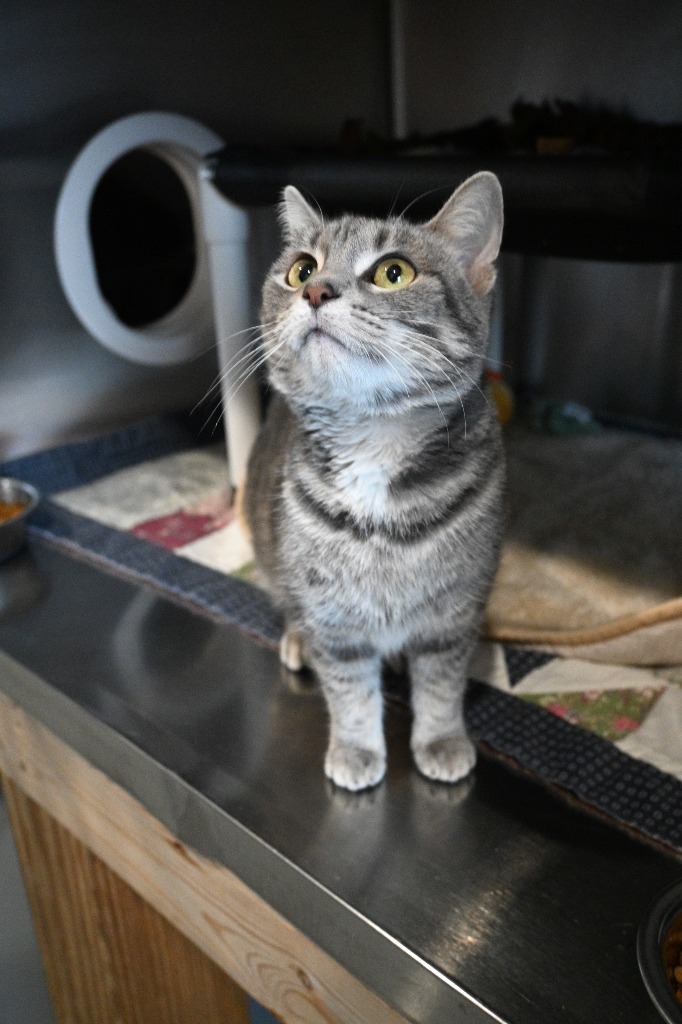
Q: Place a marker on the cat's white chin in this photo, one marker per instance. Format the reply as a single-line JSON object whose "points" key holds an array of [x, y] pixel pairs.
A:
{"points": [[328, 366], [317, 337]]}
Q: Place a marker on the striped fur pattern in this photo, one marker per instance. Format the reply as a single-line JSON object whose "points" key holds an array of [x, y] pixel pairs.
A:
{"points": [[374, 492]]}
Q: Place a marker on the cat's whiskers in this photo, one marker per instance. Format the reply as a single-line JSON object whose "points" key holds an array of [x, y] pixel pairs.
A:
{"points": [[319, 209], [242, 356], [382, 342], [465, 350], [213, 392], [254, 327], [422, 347], [397, 372], [240, 382], [250, 370], [462, 349], [454, 388], [425, 353], [220, 401], [253, 360], [376, 327], [372, 359], [214, 344], [247, 348], [243, 353], [426, 347], [416, 199]]}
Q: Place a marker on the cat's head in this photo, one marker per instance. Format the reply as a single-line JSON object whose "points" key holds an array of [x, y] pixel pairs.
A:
{"points": [[382, 313]]}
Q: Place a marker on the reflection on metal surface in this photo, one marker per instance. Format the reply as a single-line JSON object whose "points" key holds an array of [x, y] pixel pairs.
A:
{"points": [[21, 584], [163, 673], [486, 901]]}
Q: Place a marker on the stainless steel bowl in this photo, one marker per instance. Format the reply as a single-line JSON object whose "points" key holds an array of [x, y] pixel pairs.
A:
{"points": [[653, 946], [13, 531]]}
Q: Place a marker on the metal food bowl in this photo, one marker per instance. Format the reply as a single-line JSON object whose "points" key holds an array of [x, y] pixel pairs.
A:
{"points": [[13, 529], [659, 948]]}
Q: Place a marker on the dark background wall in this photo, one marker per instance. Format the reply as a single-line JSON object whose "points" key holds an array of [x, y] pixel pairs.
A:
{"points": [[468, 61], [254, 72], [267, 73], [608, 335]]}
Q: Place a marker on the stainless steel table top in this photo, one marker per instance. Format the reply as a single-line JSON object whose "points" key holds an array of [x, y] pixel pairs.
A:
{"points": [[492, 900]]}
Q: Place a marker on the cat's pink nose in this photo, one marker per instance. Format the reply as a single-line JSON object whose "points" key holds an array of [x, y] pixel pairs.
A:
{"points": [[316, 294]]}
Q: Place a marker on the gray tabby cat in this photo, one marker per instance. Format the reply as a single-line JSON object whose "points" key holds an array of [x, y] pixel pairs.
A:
{"points": [[374, 491]]}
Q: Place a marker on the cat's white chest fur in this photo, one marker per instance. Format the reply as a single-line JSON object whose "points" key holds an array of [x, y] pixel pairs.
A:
{"points": [[365, 463]]}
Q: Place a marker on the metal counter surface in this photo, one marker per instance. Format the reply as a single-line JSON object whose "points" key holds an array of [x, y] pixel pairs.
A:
{"points": [[492, 900]]}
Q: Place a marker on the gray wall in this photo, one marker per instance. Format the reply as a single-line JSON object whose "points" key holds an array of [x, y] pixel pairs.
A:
{"points": [[608, 335], [253, 72], [266, 72], [471, 60]]}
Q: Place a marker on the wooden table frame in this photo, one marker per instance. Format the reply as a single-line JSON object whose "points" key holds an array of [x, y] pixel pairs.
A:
{"points": [[134, 926]]}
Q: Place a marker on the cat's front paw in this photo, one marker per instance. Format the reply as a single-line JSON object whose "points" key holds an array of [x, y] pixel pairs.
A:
{"points": [[447, 759], [292, 650], [354, 768]]}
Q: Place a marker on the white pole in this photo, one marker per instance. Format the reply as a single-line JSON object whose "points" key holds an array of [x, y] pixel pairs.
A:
{"points": [[226, 229]]}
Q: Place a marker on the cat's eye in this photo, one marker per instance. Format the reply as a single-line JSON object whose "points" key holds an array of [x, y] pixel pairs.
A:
{"points": [[394, 273], [301, 271]]}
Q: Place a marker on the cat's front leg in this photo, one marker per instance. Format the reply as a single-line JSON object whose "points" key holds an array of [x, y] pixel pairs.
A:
{"points": [[356, 755], [292, 650], [440, 746]]}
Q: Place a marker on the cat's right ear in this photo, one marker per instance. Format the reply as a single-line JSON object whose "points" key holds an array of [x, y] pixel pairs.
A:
{"points": [[472, 218], [296, 215]]}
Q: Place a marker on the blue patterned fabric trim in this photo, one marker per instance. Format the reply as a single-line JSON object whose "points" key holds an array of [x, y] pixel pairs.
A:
{"points": [[592, 769], [81, 462]]}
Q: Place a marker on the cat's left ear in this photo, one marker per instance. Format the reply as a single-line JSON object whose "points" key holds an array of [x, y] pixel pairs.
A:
{"points": [[296, 215], [472, 218]]}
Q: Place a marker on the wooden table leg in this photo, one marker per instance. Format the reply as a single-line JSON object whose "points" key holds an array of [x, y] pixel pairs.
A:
{"points": [[110, 958], [114, 892]]}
